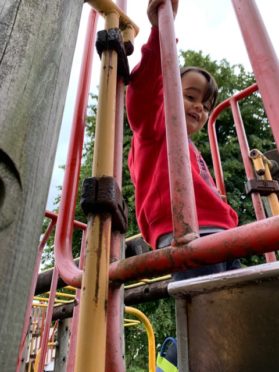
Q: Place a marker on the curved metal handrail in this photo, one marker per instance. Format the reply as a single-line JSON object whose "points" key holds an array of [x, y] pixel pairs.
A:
{"points": [[68, 271]]}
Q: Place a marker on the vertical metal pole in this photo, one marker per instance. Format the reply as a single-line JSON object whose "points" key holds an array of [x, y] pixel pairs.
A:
{"points": [[74, 326], [263, 58], [115, 333], [182, 334], [245, 151], [91, 346], [181, 183], [31, 293], [184, 214]]}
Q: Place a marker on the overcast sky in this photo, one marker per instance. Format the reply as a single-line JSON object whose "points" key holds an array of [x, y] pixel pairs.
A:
{"points": [[209, 26]]}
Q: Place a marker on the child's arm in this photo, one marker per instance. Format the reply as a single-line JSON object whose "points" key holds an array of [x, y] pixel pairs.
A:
{"points": [[144, 93]]}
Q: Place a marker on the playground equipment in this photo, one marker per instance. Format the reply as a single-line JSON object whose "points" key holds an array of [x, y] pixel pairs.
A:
{"points": [[101, 296], [56, 351]]}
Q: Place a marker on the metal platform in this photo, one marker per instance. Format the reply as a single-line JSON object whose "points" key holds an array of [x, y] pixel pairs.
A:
{"points": [[229, 322]]}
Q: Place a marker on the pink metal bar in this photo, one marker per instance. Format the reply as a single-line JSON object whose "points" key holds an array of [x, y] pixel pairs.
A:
{"points": [[184, 213], [32, 291], [244, 148], [245, 151], [77, 224], [217, 166], [254, 238], [63, 237], [114, 341], [262, 57], [74, 326]]}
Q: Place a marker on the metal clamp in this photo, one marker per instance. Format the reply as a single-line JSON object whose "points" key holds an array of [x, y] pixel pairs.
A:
{"points": [[102, 195], [112, 40], [263, 187]]}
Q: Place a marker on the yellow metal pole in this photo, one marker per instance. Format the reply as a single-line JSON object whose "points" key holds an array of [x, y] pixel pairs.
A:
{"points": [[108, 7], [262, 167], [37, 360], [150, 334], [91, 340], [272, 198]]}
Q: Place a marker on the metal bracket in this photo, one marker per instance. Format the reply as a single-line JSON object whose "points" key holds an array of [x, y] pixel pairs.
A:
{"points": [[102, 195], [112, 40], [264, 187]]}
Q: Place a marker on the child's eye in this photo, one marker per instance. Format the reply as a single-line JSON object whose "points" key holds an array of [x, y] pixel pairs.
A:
{"points": [[189, 97]]}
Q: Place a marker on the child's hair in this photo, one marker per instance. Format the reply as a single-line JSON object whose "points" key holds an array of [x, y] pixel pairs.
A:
{"points": [[212, 89]]}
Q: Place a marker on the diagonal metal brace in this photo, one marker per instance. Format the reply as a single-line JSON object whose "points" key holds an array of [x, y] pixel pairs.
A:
{"points": [[103, 195], [112, 40]]}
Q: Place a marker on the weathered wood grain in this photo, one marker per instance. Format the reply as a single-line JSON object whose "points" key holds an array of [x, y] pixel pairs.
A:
{"points": [[37, 40]]}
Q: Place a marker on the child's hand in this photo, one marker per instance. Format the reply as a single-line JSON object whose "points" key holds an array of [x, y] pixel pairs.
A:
{"points": [[185, 239], [152, 10]]}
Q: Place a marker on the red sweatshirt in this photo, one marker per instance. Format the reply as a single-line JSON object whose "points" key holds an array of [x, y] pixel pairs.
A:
{"points": [[148, 156]]}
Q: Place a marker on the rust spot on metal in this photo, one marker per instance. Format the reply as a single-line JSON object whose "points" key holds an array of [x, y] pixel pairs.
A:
{"points": [[98, 264]]}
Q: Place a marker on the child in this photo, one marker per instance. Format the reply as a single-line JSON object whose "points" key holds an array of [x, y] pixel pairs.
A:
{"points": [[148, 153]]}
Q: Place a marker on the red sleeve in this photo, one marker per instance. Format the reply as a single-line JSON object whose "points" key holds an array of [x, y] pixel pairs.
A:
{"points": [[144, 96]]}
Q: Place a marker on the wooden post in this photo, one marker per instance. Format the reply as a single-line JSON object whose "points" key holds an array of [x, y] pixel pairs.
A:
{"points": [[37, 41], [62, 348]]}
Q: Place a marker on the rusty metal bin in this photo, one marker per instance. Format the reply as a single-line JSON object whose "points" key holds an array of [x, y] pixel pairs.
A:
{"points": [[229, 322]]}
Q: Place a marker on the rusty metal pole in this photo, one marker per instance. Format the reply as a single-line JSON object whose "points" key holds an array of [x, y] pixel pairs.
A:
{"points": [[184, 213], [213, 141], [91, 344], [245, 151], [115, 335], [263, 58], [74, 325]]}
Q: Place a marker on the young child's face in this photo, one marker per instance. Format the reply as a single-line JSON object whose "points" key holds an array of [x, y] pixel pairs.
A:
{"points": [[194, 87]]}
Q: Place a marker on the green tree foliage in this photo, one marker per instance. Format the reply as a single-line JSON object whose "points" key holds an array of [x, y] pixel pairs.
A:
{"points": [[230, 79]]}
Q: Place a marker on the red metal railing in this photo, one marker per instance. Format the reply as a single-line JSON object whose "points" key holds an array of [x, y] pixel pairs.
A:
{"points": [[254, 238], [68, 271], [184, 214], [114, 343], [232, 103], [46, 322], [262, 57], [32, 289]]}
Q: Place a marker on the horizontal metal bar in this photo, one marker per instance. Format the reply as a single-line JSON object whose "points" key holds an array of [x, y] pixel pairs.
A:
{"points": [[254, 238]]}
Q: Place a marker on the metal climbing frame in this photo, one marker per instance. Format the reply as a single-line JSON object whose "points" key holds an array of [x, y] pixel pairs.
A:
{"points": [[232, 103], [101, 304], [241, 240]]}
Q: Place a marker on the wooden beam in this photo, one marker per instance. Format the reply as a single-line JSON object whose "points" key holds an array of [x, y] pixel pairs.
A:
{"points": [[36, 50]]}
